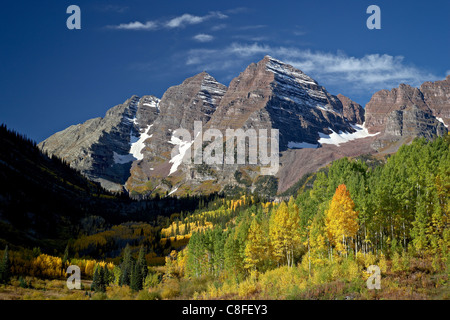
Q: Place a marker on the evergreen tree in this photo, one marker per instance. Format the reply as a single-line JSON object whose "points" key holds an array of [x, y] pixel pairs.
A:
{"points": [[102, 279], [108, 276], [5, 268], [95, 281], [126, 267], [66, 256], [136, 277], [142, 263]]}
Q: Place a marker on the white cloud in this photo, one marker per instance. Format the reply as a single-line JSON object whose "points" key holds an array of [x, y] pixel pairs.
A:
{"points": [[203, 37], [149, 25], [369, 72], [187, 19], [177, 22]]}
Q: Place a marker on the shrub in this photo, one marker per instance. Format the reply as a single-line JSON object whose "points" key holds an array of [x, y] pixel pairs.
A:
{"points": [[247, 288], [170, 289], [148, 295]]}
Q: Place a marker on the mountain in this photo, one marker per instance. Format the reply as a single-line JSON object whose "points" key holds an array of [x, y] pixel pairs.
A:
{"points": [[196, 99], [275, 95], [134, 146], [100, 147], [407, 112]]}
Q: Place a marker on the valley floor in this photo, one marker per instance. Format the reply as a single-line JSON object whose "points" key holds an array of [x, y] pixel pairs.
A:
{"points": [[418, 282]]}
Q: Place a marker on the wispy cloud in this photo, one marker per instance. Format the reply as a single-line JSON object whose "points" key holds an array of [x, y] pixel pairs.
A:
{"points": [[177, 22], [187, 19], [203, 37], [369, 72], [253, 27], [245, 37], [219, 27], [149, 25]]}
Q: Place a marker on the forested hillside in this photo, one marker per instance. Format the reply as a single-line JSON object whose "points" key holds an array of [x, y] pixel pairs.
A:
{"points": [[395, 215]]}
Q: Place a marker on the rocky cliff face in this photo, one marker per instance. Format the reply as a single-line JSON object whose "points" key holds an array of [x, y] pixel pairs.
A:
{"points": [[100, 147], [409, 112], [131, 147], [437, 97], [351, 110], [414, 122], [384, 102]]}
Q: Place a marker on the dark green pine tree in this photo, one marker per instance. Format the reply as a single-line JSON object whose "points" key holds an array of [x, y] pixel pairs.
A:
{"points": [[66, 256], [65, 260], [142, 263], [102, 279], [126, 267], [5, 268], [95, 280], [107, 276], [136, 278]]}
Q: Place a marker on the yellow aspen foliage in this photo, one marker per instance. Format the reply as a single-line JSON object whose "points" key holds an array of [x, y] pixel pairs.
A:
{"points": [[256, 246], [341, 220], [47, 266], [317, 242], [171, 265], [181, 261], [284, 232], [89, 268], [382, 263]]}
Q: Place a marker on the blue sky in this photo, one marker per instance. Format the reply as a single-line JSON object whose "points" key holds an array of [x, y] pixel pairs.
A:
{"points": [[52, 77]]}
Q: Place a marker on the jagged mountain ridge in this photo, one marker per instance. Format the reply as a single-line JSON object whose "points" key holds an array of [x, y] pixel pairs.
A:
{"points": [[132, 144], [407, 112], [100, 147]]}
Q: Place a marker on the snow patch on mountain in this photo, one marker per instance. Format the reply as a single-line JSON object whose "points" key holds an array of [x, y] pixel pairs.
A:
{"points": [[337, 138], [442, 121], [183, 147], [151, 102], [137, 145], [173, 191]]}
